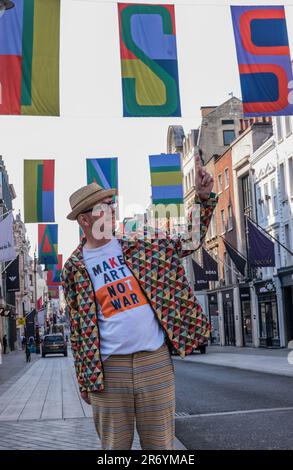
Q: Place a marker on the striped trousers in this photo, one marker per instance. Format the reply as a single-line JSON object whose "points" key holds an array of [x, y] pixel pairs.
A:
{"points": [[139, 390]]}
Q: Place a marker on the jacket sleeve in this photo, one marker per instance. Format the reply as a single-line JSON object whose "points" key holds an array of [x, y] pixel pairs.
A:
{"points": [[206, 211], [68, 284]]}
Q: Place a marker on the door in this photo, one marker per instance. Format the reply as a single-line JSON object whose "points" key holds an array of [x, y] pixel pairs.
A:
{"points": [[214, 316], [229, 324], [246, 323], [288, 301], [269, 331]]}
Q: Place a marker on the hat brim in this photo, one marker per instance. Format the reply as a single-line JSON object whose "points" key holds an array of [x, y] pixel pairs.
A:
{"points": [[90, 202]]}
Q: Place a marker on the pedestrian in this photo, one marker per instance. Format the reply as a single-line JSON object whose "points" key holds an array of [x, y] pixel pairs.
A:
{"points": [[129, 302], [4, 341], [23, 342], [27, 351]]}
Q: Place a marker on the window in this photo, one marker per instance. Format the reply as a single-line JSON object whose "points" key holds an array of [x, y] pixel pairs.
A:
{"points": [[283, 181], [259, 203], [213, 225], [227, 269], [288, 244], [288, 125], [246, 195], [223, 228], [267, 200], [274, 195], [290, 167], [279, 128], [226, 177], [228, 136], [230, 218], [227, 121], [220, 185]]}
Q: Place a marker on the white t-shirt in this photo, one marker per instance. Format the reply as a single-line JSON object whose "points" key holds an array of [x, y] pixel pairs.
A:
{"points": [[127, 322]]}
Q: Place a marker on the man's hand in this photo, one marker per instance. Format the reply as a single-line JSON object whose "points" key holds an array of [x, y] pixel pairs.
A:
{"points": [[85, 397], [203, 181]]}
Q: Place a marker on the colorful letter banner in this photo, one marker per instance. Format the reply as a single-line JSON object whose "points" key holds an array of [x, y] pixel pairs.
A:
{"points": [[39, 191], [148, 60], [48, 243], [103, 171], [53, 292], [263, 58], [54, 272], [166, 179], [29, 58]]}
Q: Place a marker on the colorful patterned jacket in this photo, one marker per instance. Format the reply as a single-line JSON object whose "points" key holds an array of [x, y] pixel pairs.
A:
{"points": [[157, 266]]}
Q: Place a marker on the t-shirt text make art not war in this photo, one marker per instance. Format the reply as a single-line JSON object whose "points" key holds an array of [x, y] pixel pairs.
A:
{"points": [[127, 322]]}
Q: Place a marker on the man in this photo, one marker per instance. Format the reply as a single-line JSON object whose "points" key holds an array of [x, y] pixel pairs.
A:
{"points": [[4, 344], [128, 301]]}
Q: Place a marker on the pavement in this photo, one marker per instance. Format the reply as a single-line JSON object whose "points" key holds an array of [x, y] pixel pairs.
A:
{"points": [[13, 365], [41, 408], [270, 361]]}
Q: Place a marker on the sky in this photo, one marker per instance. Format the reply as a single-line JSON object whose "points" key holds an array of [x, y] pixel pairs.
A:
{"points": [[91, 123]]}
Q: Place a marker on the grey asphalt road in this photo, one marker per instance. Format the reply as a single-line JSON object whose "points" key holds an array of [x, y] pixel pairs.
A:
{"points": [[224, 408]]}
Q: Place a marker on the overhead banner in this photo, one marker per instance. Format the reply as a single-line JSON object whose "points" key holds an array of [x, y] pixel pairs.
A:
{"points": [[103, 171], [29, 58], [210, 266], [166, 179], [48, 243], [261, 252], [7, 250], [55, 272], [53, 292], [149, 65], [39, 191], [264, 59], [12, 276]]}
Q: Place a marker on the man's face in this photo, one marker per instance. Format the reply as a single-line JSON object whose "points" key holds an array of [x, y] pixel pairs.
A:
{"points": [[100, 219]]}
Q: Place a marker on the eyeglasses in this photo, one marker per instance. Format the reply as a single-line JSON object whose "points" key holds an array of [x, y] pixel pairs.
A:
{"points": [[101, 207]]}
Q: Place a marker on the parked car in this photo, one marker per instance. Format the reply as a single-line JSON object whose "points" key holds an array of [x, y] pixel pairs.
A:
{"points": [[54, 344], [202, 348]]}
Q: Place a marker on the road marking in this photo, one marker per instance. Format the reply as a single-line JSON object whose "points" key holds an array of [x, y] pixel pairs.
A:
{"points": [[183, 415]]}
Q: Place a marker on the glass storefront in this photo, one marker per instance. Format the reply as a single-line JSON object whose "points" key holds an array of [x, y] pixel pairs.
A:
{"points": [[229, 323], [214, 318], [268, 315], [246, 316]]}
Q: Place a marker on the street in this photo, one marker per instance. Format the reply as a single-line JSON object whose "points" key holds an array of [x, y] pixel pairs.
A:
{"points": [[217, 407], [225, 408]]}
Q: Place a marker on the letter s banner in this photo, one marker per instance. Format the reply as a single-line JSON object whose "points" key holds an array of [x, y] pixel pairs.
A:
{"points": [[264, 59], [148, 60]]}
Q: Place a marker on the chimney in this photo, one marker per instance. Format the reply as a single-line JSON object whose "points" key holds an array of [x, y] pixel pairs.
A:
{"points": [[205, 110]]}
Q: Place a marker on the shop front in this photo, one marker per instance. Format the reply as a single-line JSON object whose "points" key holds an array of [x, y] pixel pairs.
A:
{"points": [[286, 278], [246, 316], [269, 334], [214, 318], [229, 322]]}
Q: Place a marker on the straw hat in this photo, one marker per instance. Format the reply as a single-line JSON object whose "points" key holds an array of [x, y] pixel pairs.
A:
{"points": [[86, 197]]}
